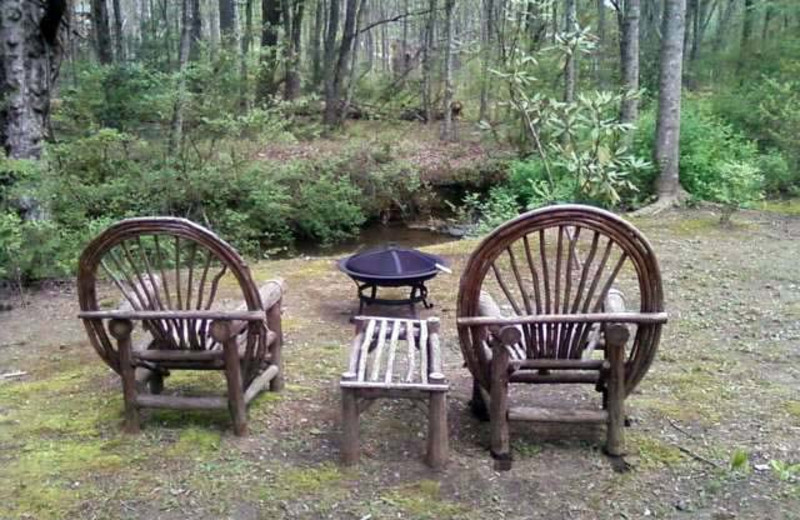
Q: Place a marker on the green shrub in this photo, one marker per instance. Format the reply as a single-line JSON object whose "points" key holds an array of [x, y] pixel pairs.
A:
{"points": [[328, 209], [710, 151], [779, 178], [739, 185]]}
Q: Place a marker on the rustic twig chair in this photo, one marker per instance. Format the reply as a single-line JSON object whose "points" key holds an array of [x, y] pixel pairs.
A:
{"points": [[170, 273], [541, 297]]}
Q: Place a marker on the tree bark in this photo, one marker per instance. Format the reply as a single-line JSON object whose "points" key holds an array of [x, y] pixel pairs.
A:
{"points": [[747, 33], [487, 29], [197, 31], [427, 63], [30, 56], [292, 23], [176, 126], [448, 126], [571, 65], [339, 69], [629, 61], [102, 32], [227, 23], [270, 19], [329, 115], [316, 44], [119, 43], [667, 146], [247, 41], [600, 74]]}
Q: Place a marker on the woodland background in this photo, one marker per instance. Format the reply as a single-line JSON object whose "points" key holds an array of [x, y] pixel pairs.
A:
{"points": [[281, 121]]}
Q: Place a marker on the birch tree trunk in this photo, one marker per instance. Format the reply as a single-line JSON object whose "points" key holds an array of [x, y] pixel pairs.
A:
{"points": [[30, 56], [667, 148]]}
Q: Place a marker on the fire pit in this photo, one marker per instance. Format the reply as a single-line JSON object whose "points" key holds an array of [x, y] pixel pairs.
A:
{"points": [[392, 266]]}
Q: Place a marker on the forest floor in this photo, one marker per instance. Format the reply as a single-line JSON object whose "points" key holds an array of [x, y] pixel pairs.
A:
{"points": [[438, 162], [725, 386]]}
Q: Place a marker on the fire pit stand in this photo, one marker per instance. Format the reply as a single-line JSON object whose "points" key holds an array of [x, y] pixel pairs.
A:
{"points": [[418, 294], [392, 266]]}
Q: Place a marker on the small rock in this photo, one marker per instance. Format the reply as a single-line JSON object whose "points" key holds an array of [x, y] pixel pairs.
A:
{"points": [[683, 505]]}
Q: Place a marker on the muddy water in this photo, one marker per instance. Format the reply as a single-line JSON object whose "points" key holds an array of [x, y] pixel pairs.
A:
{"points": [[373, 236]]}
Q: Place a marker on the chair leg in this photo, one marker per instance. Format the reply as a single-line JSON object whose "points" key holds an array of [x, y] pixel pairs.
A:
{"points": [[615, 395], [498, 410], [233, 374], [274, 321], [477, 404], [350, 427], [121, 330], [438, 447]]}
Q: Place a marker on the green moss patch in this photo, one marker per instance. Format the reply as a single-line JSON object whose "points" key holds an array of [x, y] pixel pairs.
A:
{"points": [[422, 500]]}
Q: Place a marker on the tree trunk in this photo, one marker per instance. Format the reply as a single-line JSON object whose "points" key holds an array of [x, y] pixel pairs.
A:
{"points": [[329, 115], [292, 23], [667, 151], [629, 61], [102, 32], [353, 76], [118, 41], [571, 65], [316, 44], [448, 126], [247, 41], [227, 23], [747, 33], [600, 74], [427, 63], [333, 92], [197, 31], [487, 29], [30, 55], [271, 17], [723, 24], [176, 126]]}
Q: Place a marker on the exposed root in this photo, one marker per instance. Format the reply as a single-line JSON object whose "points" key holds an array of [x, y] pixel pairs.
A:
{"points": [[662, 204]]}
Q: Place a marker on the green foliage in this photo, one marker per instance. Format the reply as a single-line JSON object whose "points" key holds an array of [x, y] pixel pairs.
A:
{"points": [[328, 209], [486, 213], [740, 461], [717, 163], [740, 184], [785, 470], [582, 143]]}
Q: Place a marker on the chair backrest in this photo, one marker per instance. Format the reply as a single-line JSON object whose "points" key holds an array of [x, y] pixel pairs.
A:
{"points": [[561, 260], [162, 264]]}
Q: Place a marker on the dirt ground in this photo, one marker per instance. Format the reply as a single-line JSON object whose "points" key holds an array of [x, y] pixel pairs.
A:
{"points": [[715, 430]]}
